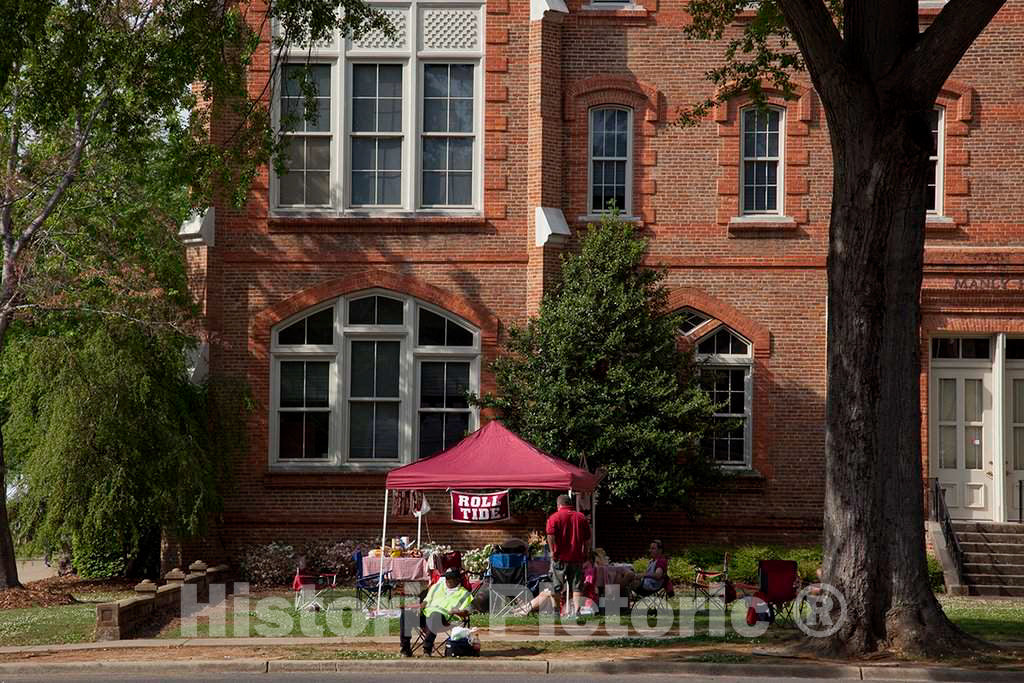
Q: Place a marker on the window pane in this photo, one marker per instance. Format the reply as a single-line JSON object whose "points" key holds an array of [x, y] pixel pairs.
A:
{"points": [[293, 334], [435, 153], [972, 448], [432, 385], [360, 431], [389, 188], [1015, 348], [1018, 401], [389, 154], [973, 400], [317, 433], [431, 433], [435, 116], [390, 311], [388, 369], [435, 80], [460, 189], [320, 121], [318, 153], [362, 369], [1018, 448], [317, 384], [947, 400], [974, 348], [390, 83], [321, 327], [945, 348], [460, 116], [461, 80], [456, 385], [362, 187], [364, 80], [290, 433], [433, 188], [318, 187], [389, 115], [947, 448], [459, 335], [385, 433], [364, 155], [296, 152], [290, 190], [431, 331], [455, 427], [292, 381], [361, 311], [364, 114]]}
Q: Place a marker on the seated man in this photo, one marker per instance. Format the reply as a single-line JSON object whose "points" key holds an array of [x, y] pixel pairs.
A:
{"points": [[657, 571], [445, 599]]}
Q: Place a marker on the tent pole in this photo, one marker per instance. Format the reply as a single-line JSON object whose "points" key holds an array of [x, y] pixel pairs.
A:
{"points": [[383, 537], [593, 520]]}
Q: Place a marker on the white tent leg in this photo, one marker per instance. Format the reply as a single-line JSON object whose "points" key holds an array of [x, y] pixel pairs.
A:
{"points": [[383, 538], [593, 519]]}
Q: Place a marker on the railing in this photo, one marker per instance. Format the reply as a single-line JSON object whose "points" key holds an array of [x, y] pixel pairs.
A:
{"points": [[940, 514]]}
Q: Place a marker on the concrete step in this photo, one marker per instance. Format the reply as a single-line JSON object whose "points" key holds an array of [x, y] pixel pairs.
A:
{"points": [[995, 590], [989, 579], [989, 537], [989, 527], [1000, 559], [991, 548], [974, 569]]}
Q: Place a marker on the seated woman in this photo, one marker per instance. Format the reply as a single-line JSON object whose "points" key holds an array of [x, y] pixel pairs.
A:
{"points": [[445, 599], [657, 572]]}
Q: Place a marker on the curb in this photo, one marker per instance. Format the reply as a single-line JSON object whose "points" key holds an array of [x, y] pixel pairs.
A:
{"points": [[511, 665]]}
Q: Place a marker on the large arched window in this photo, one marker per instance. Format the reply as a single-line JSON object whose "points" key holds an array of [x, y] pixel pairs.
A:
{"points": [[726, 362], [371, 380]]}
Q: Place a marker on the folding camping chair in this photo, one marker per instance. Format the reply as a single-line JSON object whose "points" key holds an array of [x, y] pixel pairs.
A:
{"points": [[712, 588], [779, 584], [366, 585], [421, 637], [311, 589], [508, 590], [653, 601]]}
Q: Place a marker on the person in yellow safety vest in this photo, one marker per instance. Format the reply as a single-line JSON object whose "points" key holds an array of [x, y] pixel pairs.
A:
{"points": [[445, 599]]}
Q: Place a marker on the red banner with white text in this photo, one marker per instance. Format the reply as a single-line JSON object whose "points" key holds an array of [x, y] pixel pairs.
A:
{"points": [[470, 508]]}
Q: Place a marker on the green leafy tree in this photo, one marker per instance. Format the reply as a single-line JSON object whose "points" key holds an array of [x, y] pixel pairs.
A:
{"points": [[90, 92], [878, 75], [598, 378]]}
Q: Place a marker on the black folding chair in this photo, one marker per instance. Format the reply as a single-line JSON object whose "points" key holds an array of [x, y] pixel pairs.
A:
{"points": [[508, 589], [366, 584]]}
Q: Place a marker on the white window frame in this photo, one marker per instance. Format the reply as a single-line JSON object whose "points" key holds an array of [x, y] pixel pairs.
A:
{"points": [[332, 134], [940, 163], [627, 210], [341, 54], [339, 355], [779, 159], [732, 361]]}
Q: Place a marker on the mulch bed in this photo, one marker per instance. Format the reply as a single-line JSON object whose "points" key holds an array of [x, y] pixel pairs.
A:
{"points": [[57, 591]]}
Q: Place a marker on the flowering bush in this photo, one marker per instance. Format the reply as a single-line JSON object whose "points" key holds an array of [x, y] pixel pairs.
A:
{"points": [[475, 561], [271, 565]]}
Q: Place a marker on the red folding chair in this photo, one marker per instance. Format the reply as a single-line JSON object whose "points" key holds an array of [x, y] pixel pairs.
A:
{"points": [[779, 584], [713, 588]]}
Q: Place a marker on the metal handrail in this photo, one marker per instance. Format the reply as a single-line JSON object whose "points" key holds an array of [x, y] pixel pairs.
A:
{"points": [[940, 514]]}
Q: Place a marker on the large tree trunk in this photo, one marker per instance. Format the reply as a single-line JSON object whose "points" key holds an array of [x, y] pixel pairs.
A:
{"points": [[874, 504], [8, 564]]}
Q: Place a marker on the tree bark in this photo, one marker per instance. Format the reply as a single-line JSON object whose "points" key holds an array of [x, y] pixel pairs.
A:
{"points": [[8, 564]]}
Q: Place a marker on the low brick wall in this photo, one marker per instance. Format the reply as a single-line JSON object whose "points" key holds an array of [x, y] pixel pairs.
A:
{"points": [[125, 618]]}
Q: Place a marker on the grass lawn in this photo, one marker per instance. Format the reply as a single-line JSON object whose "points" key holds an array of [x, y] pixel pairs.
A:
{"points": [[47, 625]]}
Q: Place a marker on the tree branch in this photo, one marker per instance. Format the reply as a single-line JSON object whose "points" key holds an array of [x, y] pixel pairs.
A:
{"points": [[81, 140], [819, 39], [941, 46]]}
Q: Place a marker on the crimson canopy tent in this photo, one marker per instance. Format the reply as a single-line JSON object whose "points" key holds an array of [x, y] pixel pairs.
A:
{"points": [[491, 457]]}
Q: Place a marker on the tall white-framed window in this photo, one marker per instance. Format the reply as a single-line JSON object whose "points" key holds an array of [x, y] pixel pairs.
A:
{"points": [[761, 180], [405, 121], [726, 369], [611, 159], [370, 380], [308, 139], [936, 158]]}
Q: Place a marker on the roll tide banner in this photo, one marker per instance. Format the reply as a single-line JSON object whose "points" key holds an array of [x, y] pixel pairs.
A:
{"points": [[479, 507]]}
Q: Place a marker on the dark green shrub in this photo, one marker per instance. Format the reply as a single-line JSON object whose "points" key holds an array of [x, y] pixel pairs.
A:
{"points": [[95, 556], [935, 576]]}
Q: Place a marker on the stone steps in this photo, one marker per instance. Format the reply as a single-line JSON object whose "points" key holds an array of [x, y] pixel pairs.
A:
{"points": [[993, 557]]}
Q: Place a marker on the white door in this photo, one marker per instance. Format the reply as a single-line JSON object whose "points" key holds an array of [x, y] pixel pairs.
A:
{"points": [[1013, 460], [961, 416]]}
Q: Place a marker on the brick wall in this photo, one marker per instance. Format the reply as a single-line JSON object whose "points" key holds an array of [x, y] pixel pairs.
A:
{"points": [[541, 78]]}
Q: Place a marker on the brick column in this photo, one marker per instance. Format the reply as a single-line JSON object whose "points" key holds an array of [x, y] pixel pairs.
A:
{"points": [[547, 230]]}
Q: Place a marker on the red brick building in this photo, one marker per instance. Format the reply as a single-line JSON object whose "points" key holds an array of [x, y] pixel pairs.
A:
{"points": [[426, 209]]}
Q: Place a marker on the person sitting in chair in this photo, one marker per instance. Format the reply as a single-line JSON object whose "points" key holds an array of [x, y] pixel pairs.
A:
{"points": [[445, 599], [657, 570]]}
